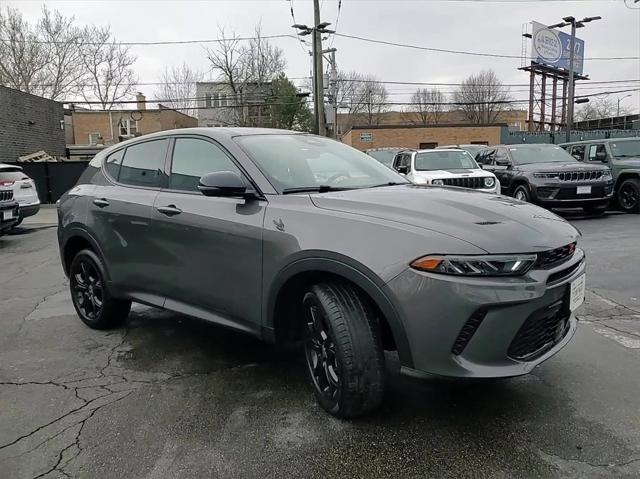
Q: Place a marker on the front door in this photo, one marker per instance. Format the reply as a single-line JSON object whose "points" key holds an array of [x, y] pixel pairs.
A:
{"points": [[211, 247]]}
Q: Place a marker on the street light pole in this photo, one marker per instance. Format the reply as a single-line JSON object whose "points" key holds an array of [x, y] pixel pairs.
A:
{"points": [[572, 54], [619, 99]]}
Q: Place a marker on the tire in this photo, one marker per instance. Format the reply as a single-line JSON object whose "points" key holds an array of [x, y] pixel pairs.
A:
{"points": [[343, 353], [595, 210], [522, 193], [91, 299], [629, 196]]}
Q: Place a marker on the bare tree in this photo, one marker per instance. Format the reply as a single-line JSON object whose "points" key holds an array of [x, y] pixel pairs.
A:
{"points": [[427, 106], [362, 98], [246, 70], [482, 97], [110, 77], [23, 59], [600, 107], [373, 96], [178, 88]]}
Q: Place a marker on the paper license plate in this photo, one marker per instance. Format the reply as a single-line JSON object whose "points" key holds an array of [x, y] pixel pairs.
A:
{"points": [[577, 292], [7, 215], [584, 190]]}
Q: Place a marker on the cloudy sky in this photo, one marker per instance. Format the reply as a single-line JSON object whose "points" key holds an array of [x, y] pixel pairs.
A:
{"points": [[477, 26]]}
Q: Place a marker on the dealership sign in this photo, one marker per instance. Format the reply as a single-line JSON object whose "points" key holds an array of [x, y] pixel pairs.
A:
{"points": [[365, 136], [551, 47]]}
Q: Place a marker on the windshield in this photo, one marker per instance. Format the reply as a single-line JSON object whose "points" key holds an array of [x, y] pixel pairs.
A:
{"points": [[540, 154], [306, 161], [383, 156], [473, 150], [444, 160], [622, 149]]}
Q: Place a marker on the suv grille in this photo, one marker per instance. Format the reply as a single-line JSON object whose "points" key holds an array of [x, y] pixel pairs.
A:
{"points": [[579, 175], [6, 195], [558, 255], [540, 332], [474, 182]]}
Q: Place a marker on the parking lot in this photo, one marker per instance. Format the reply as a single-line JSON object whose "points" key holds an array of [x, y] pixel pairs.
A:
{"points": [[169, 396]]}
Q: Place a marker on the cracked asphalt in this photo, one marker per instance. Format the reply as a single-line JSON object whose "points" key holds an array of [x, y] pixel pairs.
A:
{"points": [[168, 396]]}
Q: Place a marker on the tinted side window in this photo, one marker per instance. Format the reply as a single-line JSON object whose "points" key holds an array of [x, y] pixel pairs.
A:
{"points": [[488, 157], [143, 164], [577, 151], [194, 158], [500, 155], [594, 150], [112, 163]]}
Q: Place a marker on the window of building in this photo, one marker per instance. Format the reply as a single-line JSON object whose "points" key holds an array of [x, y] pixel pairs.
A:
{"points": [[128, 127], [207, 100], [428, 146], [194, 158], [95, 138], [143, 164]]}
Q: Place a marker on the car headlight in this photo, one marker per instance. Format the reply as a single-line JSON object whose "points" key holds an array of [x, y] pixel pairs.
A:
{"points": [[486, 265], [489, 182], [437, 182], [606, 175], [420, 180]]}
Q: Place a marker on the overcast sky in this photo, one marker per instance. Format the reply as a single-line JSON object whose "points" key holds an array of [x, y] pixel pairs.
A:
{"points": [[479, 26]]}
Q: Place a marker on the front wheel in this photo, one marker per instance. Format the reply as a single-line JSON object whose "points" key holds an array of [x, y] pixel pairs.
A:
{"points": [[343, 352], [91, 298], [522, 193], [629, 196]]}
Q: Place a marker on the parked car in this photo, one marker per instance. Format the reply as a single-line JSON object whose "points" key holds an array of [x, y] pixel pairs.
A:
{"points": [[445, 168], [622, 156], [384, 155], [548, 176], [24, 190], [235, 227], [8, 210], [473, 150]]}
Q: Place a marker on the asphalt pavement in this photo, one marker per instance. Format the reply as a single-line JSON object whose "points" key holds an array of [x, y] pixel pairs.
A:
{"points": [[168, 396]]}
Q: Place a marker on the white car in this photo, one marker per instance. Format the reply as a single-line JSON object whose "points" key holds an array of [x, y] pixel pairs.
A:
{"points": [[445, 167], [24, 190]]}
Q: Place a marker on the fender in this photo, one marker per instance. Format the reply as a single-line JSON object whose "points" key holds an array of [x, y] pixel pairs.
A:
{"points": [[355, 272], [625, 174], [75, 231]]}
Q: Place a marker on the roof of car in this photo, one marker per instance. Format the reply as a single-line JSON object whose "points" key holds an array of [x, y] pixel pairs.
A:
{"points": [[600, 140], [437, 150], [4, 166], [386, 148]]}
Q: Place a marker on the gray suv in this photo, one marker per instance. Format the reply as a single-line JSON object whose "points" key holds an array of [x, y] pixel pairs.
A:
{"points": [[295, 238]]}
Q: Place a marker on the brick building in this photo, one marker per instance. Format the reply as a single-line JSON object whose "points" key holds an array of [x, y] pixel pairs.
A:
{"points": [[218, 105], [29, 123], [423, 137], [110, 127]]}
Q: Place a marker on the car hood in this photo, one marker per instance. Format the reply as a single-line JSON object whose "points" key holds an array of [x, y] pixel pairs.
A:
{"points": [[494, 223], [560, 166], [457, 173]]}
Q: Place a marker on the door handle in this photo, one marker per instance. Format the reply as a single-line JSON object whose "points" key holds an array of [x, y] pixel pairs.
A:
{"points": [[100, 202], [169, 210]]}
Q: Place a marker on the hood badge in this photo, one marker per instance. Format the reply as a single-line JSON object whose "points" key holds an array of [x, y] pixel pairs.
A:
{"points": [[279, 224]]}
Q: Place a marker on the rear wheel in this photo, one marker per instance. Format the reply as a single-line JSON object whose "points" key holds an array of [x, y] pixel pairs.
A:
{"points": [[522, 193], [343, 353], [91, 298], [629, 196]]}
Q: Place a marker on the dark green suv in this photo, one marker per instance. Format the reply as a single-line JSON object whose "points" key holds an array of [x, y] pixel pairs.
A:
{"points": [[622, 155]]}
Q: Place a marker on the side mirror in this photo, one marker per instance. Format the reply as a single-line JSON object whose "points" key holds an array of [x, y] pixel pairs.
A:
{"points": [[602, 156], [502, 162], [404, 169], [223, 183]]}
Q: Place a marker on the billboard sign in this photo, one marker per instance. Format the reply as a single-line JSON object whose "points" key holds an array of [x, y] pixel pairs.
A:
{"points": [[551, 47]]}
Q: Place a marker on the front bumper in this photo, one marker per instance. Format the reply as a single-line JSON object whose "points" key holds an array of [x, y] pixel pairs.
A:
{"points": [[7, 224], [565, 194], [489, 315], [29, 210]]}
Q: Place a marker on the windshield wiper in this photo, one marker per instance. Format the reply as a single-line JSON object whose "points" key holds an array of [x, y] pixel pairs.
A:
{"points": [[390, 183], [313, 189]]}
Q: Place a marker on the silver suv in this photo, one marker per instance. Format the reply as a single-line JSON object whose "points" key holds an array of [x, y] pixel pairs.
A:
{"points": [[296, 238]]}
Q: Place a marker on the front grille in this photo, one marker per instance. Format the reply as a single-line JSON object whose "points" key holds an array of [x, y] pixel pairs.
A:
{"points": [[6, 195], [470, 182], [554, 256], [565, 273], [572, 194], [467, 332], [579, 175], [540, 332]]}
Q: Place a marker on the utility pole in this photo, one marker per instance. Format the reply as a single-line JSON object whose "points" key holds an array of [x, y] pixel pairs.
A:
{"points": [[318, 84], [572, 53], [332, 96]]}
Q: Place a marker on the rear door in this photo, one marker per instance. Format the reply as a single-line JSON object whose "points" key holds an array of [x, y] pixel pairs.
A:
{"points": [[120, 217], [210, 247]]}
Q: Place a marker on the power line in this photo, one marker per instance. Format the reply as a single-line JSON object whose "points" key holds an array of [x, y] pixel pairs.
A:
{"points": [[293, 17], [335, 25], [166, 42], [460, 52]]}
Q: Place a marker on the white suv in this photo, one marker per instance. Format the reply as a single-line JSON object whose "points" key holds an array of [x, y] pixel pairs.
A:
{"points": [[445, 167], [24, 190]]}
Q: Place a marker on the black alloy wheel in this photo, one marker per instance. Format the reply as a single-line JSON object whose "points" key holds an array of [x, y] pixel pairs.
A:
{"points": [[320, 354], [629, 196], [91, 298]]}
